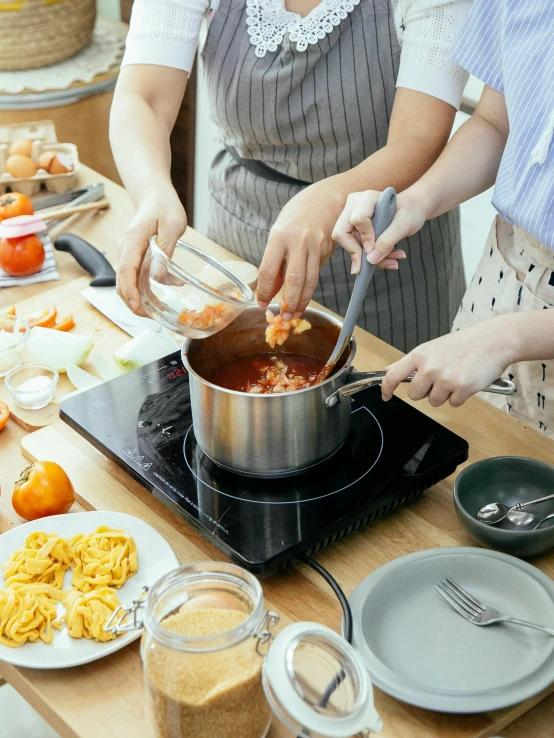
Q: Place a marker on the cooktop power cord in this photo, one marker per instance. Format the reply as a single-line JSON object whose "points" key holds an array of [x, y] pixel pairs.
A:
{"points": [[335, 586]]}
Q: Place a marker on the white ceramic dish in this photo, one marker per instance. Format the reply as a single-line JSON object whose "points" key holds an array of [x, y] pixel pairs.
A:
{"points": [[156, 558], [420, 650]]}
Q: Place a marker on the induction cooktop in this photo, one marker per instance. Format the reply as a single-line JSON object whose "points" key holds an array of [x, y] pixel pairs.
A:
{"points": [[142, 420]]}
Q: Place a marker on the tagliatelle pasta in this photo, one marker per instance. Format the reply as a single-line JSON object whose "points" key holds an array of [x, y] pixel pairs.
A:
{"points": [[105, 558], [28, 614], [34, 580], [44, 559], [87, 613]]}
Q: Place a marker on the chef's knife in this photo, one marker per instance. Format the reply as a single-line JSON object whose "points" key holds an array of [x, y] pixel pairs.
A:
{"points": [[108, 302], [92, 261], [102, 294]]}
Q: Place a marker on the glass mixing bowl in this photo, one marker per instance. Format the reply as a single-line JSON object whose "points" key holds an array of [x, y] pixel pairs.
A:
{"points": [[191, 293], [14, 332]]}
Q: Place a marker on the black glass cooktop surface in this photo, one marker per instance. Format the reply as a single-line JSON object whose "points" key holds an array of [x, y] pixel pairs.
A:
{"points": [[142, 420]]}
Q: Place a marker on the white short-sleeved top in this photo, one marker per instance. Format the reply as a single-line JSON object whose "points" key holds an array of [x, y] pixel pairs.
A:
{"points": [[166, 32]]}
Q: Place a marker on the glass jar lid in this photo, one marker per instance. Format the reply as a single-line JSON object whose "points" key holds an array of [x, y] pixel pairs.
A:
{"points": [[318, 685]]}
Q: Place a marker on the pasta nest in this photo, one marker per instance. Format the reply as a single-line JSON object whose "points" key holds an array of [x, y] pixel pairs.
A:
{"points": [[28, 613], [86, 614], [105, 558], [44, 559]]}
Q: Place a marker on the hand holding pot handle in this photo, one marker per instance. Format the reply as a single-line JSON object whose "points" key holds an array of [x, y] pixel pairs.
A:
{"points": [[368, 379]]}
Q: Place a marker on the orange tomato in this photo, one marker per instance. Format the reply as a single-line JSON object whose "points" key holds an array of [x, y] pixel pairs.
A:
{"points": [[65, 324], [43, 489], [21, 256], [13, 204], [4, 415], [45, 319]]}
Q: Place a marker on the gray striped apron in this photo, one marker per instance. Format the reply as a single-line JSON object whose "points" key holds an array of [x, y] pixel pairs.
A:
{"points": [[307, 115]]}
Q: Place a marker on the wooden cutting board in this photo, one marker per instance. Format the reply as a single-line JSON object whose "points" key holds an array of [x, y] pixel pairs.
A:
{"points": [[88, 321], [296, 594]]}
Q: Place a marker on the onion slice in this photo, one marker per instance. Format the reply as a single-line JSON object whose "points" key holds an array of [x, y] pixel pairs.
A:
{"points": [[57, 349], [148, 346], [81, 379]]}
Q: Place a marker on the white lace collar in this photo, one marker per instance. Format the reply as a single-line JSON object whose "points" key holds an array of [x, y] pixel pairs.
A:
{"points": [[268, 21]]}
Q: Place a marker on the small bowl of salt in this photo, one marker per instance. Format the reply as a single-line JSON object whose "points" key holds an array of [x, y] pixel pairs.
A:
{"points": [[14, 332], [32, 386]]}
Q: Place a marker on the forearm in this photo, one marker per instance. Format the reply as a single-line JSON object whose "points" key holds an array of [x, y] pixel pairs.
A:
{"points": [[530, 335], [467, 167], [399, 164], [419, 129], [144, 110], [140, 144]]}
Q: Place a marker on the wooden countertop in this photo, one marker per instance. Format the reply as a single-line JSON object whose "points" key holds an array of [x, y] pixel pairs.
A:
{"points": [[105, 698]]}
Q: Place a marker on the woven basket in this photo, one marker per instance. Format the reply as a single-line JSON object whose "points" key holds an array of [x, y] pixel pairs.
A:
{"points": [[36, 33]]}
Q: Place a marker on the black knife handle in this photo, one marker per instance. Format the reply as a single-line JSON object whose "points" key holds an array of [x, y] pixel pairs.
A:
{"points": [[89, 258]]}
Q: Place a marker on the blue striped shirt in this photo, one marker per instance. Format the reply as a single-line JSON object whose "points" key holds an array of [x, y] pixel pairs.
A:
{"points": [[509, 45]]}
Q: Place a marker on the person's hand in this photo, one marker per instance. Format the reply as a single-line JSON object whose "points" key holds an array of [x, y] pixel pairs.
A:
{"points": [[456, 366], [354, 229], [160, 213], [299, 244]]}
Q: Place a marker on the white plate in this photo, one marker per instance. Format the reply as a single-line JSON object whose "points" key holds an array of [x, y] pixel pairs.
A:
{"points": [[155, 556], [418, 649]]}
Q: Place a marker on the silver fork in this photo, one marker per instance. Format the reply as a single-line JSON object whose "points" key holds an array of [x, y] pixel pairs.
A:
{"points": [[476, 612]]}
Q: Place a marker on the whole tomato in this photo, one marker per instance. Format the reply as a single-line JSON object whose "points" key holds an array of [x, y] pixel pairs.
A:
{"points": [[13, 204], [43, 489], [21, 256]]}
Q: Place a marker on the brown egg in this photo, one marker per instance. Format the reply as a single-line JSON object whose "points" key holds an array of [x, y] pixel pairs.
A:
{"points": [[60, 164], [45, 160], [20, 166], [23, 146], [213, 600]]}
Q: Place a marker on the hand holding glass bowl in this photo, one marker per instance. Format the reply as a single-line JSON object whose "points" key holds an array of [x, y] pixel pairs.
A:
{"points": [[191, 293]]}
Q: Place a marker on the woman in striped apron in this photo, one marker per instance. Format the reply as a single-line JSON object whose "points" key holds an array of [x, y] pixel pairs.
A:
{"points": [[506, 320], [307, 110]]}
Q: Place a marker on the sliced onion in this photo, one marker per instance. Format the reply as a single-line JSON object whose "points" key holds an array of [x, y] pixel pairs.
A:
{"points": [[81, 379], [57, 349], [148, 346], [106, 366]]}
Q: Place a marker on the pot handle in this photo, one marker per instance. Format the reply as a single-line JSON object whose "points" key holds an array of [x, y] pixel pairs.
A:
{"points": [[368, 379]]}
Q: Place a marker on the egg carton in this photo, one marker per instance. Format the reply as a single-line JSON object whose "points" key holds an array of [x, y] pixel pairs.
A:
{"points": [[43, 136]]}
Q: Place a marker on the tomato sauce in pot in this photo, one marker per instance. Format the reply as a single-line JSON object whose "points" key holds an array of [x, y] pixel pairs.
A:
{"points": [[268, 373]]}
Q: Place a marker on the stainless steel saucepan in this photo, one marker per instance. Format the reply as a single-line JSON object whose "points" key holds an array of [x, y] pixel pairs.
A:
{"points": [[275, 435]]}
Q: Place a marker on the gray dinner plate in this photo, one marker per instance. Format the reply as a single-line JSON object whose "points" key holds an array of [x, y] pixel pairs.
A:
{"points": [[421, 651]]}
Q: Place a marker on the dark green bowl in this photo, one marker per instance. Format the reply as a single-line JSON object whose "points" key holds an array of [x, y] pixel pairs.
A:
{"points": [[507, 479]]}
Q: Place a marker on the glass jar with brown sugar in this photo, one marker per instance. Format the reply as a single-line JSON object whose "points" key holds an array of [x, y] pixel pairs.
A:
{"points": [[204, 624], [213, 670]]}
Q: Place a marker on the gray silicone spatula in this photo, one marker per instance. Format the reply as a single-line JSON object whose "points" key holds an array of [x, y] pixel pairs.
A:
{"points": [[382, 218]]}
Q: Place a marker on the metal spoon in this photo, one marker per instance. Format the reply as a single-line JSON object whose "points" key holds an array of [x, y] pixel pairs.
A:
{"points": [[494, 512], [525, 521], [382, 218]]}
